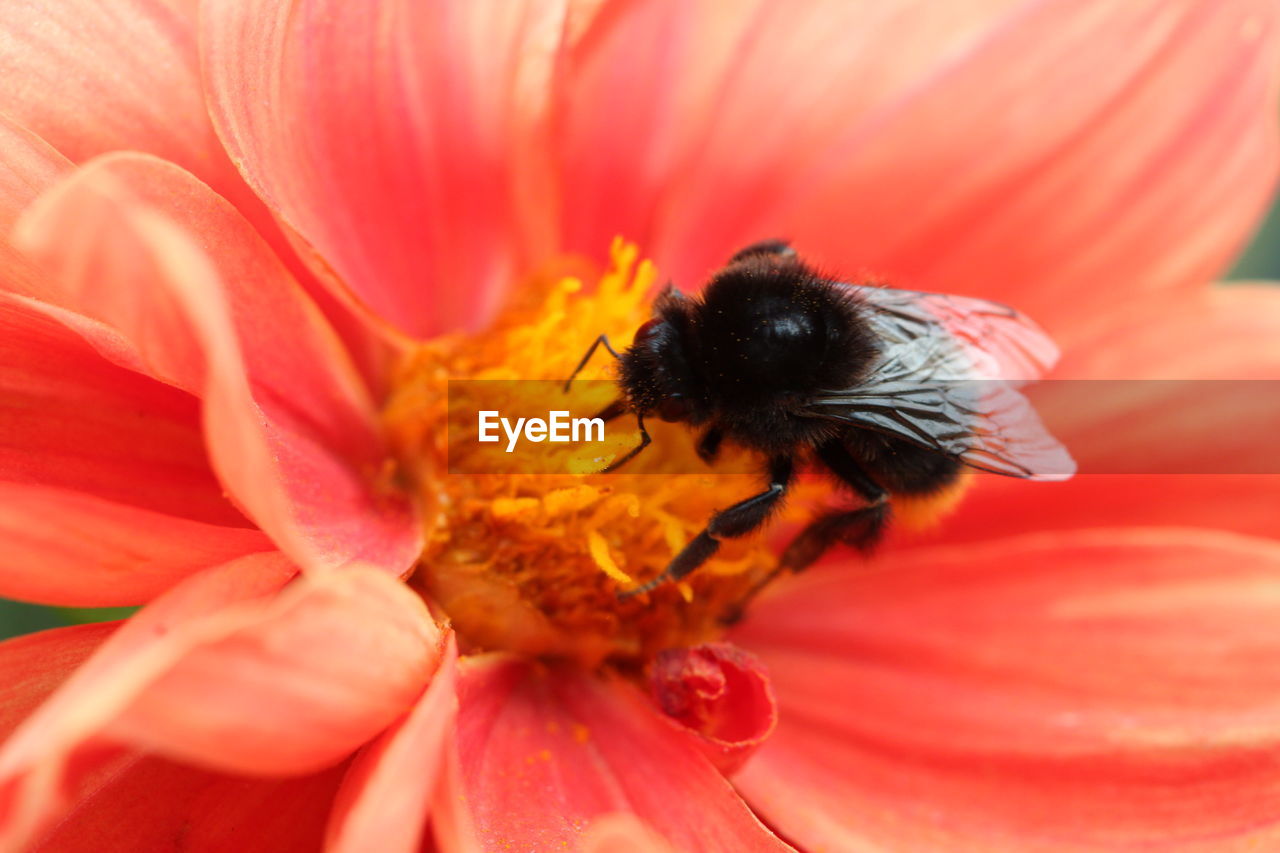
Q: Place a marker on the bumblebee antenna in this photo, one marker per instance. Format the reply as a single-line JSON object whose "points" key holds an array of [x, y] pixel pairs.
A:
{"points": [[603, 339]]}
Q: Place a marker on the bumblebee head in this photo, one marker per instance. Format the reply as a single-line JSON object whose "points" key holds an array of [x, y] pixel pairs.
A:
{"points": [[655, 372]]}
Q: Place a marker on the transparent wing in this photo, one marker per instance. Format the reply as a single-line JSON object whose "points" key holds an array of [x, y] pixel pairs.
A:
{"points": [[957, 337], [947, 379]]}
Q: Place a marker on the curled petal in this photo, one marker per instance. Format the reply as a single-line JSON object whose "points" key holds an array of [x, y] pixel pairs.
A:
{"points": [[232, 671], [1029, 152], [1087, 690], [196, 299], [389, 142], [545, 752], [721, 695], [385, 798]]}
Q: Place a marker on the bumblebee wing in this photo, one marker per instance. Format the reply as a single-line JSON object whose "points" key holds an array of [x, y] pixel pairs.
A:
{"points": [[986, 424], [947, 379], [980, 339]]}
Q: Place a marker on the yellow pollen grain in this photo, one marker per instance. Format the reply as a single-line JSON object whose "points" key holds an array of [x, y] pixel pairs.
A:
{"points": [[600, 553], [515, 507], [572, 499]]}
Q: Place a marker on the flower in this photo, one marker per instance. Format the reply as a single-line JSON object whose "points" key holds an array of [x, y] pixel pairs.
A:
{"points": [[248, 245]]}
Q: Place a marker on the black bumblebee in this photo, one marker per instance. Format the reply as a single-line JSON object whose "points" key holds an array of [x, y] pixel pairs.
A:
{"points": [[893, 392]]}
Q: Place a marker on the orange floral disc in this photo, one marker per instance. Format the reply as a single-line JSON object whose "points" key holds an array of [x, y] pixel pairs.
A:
{"points": [[534, 562]]}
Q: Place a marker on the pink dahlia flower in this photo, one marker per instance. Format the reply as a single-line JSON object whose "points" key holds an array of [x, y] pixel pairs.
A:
{"points": [[249, 242]]}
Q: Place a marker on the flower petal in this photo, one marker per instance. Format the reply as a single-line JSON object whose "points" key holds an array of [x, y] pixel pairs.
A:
{"points": [[384, 800], [721, 695], [105, 493], [66, 547], [28, 166], [388, 140], [544, 752], [622, 833], [234, 672], [1063, 691], [1057, 155], [126, 77], [152, 801], [154, 804], [32, 666], [199, 301], [1228, 333], [129, 80]]}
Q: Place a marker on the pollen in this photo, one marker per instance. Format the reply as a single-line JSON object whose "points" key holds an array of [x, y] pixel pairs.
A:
{"points": [[534, 563]]}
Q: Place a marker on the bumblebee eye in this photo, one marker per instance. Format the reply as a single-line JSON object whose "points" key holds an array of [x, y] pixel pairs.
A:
{"points": [[646, 331], [673, 408]]}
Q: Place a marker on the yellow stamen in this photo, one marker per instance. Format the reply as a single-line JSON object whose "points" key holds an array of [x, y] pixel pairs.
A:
{"points": [[600, 553]]}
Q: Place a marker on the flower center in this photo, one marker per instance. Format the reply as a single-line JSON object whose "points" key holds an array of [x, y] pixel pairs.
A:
{"points": [[534, 562]]}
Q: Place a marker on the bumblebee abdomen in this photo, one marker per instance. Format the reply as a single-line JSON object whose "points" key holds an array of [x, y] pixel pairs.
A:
{"points": [[923, 510], [900, 467]]}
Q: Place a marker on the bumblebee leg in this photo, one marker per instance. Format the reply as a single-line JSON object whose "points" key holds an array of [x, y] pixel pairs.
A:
{"points": [[764, 247], [709, 445], [603, 339], [738, 520], [633, 452], [860, 528]]}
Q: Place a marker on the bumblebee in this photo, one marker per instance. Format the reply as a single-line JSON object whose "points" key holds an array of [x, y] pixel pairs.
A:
{"points": [[893, 393]]}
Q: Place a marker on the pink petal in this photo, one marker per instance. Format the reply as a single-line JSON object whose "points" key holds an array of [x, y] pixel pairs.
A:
{"points": [[31, 667], [106, 496], [1228, 333], [544, 752], [453, 829], [1057, 155], [90, 78], [151, 802], [129, 80], [389, 141], [384, 800], [155, 805], [198, 300], [622, 833], [70, 548], [721, 695], [232, 671], [28, 166], [1091, 690]]}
